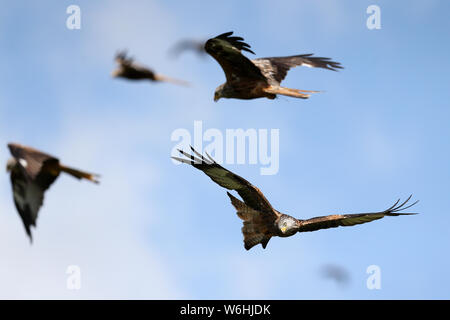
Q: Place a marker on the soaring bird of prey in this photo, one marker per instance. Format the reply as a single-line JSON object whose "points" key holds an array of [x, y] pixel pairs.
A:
{"points": [[258, 78], [193, 45], [130, 70], [32, 173], [337, 273], [261, 220]]}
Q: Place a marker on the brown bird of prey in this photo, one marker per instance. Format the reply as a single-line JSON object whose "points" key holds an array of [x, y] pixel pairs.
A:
{"points": [[32, 173], [130, 70], [261, 220], [258, 78]]}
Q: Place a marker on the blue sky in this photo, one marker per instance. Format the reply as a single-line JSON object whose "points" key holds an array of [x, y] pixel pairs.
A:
{"points": [[153, 230]]}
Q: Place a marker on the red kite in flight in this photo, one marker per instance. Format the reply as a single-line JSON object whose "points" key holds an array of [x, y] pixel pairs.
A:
{"points": [[261, 220], [128, 69], [32, 173], [258, 78]]}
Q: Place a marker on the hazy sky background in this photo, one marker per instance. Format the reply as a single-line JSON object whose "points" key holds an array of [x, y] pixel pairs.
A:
{"points": [[153, 230]]}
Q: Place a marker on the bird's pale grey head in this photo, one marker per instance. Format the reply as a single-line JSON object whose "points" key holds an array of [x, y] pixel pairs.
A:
{"points": [[218, 93], [11, 164], [223, 91], [288, 225]]}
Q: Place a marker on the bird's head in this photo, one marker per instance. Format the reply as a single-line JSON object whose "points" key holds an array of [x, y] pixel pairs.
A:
{"points": [[11, 164], [287, 225], [218, 93], [223, 91]]}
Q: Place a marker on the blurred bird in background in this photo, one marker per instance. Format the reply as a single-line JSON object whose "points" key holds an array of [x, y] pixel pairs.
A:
{"points": [[128, 69]]}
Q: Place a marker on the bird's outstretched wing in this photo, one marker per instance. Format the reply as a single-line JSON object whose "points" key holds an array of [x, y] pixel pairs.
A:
{"points": [[28, 199], [227, 52], [251, 195], [32, 161], [30, 181], [276, 68], [344, 220], [181, 46]]}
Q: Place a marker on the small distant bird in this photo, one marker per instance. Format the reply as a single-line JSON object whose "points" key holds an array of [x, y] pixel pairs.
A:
{"points": [[261, 220], [258, 78], [32, 173], [196, 46], [337, 273], [130, 70]]}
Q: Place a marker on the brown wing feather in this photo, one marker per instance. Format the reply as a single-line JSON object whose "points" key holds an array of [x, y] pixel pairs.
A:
{"points": [[28, 198], [251, 195], [276, 68], [35, 160], [227, 52], [181, 46], [344, 220]]}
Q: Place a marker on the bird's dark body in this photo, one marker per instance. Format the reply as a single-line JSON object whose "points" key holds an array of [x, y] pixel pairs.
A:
{"points": [[136, 74], [128, 69], [247, 91]]}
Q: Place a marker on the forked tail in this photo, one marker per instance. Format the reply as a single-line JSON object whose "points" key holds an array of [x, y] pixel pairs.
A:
{"points": [[296, 93], [79, 174], [254, 230], [159, 77]]}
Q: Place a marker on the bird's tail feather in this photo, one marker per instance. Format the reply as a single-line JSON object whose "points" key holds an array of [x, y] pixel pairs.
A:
{"points": [[80, 174], [296, 93], [252, 232], [159, 77]]}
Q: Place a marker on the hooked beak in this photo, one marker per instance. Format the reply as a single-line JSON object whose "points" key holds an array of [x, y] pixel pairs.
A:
{"points": [[283, 229]]}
